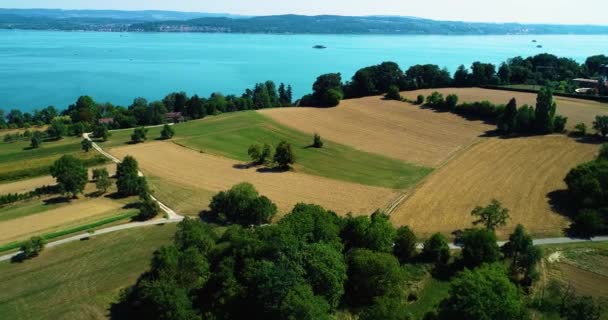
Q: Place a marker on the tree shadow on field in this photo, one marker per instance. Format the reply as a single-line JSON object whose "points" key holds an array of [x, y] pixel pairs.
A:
{"points": [[587, 139], [243, 166], [57, 200], [273, 170], [561, 203]]}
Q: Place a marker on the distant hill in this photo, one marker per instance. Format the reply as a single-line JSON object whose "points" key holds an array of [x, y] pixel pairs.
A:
{"points": [[170, 21]]}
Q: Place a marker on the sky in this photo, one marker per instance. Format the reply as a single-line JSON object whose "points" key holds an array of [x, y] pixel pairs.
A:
{"points": [[524, 11]]}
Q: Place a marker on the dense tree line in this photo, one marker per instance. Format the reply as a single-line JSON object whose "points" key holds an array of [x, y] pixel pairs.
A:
{"points": [[588, 189], [509, 119], [83, 115], [313, 262], [546, 70], [38, 192]]}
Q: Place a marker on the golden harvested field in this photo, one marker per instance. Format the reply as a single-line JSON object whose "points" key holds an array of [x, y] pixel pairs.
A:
{"points": [[577, 110], [62, 217], [26, 185], [391, 128], [199, 171], [519, 172]]}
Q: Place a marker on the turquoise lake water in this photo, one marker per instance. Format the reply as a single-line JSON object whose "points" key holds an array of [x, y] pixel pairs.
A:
{"points": [[41, 68]]}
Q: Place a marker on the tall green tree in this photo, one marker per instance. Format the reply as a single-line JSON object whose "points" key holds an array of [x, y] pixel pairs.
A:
{"points": [[71, 175], [371, 275], [523, 254], [86, 145], [284, 156], [405, 244], [545, 111], [327, 90], [167, 133], [436, 249], [479, 246], [128, 181], [508, 120], [139, 135]]}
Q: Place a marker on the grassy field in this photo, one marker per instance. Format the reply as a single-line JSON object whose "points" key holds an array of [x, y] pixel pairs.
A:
{"points": [[200, 175], [391, 128], [525, 174], [577, 110], [187, 200], [17, 161], [79, 280], [231, 135]]}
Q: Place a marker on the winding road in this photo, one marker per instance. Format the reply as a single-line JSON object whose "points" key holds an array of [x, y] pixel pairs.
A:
{"points": [[173, 217]]}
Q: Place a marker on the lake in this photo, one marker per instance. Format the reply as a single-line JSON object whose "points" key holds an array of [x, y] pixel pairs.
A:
{"points": [[41, 68]]}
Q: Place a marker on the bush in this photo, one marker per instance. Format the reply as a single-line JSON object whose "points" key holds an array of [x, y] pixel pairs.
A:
{"points": [[603, 152], [242, 204], [317, 142], [35, 142], [101, 132], [559, 124], [393, 93], [581, 129], [588, 223], [32, 248], [86, 145], [102, 180], [334, 97], [139, 135], [420, 99], [405, 244], [451, 101], [601, 125], [167, 132], [148, 208], [435, 100]]}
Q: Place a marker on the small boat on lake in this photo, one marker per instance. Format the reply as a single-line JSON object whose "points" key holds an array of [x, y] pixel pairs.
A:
{"points": [[319, 47], [539, 46]]}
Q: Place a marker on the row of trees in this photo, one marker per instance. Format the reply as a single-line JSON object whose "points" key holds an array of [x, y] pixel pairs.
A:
{"points": [[543, 69], [314, 262], [282, 157]]}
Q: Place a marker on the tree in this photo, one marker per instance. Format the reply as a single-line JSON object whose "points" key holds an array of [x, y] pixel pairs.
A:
{"points": [[588, 223], [57, 129], [71, 175], [405, 244], [504, 73], [86, 145], [461, 77], [559, 124], [102, 180], [260, 155], [301, 303], [283, 155], [317, 142], [524, 121], [35, 142], [139, 135], [128, 182], [436, 249], [148, 208], [485, 293], [167, 132], [451, 101], [479, 246], [374, 233], [492, 216], [588, 184], [242, 204], [327, 90], [545, 111], [393, 93], [101, 132], [371, 275], [326, 272], [32, 248], [601, 125], [508, 120], [523, 254]]}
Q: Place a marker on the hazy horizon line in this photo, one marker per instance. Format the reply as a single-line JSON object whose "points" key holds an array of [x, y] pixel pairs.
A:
{"points": [[228, 14]]}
